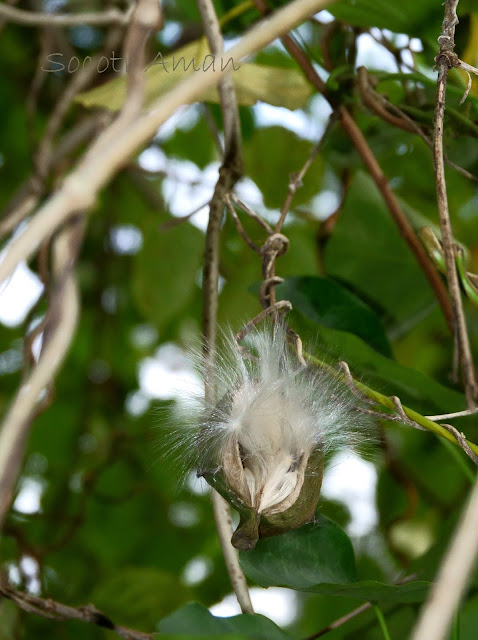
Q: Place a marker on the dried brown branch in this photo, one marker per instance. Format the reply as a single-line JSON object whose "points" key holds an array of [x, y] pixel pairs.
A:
{"points": [[53, 610], [39, 19], [229, 174], [462, 341], [378, 104], [368, 158], [397, 213]]}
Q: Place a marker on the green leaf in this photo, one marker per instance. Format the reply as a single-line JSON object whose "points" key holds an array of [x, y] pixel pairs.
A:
{"points": [[271, 156], [253, 82], [367, 251], [403, 17], [9, 620], [374, 591], [139, 596], [319, 558], [195, 621], [328, 303], [195, 144], [165, 270], [317, 552]]}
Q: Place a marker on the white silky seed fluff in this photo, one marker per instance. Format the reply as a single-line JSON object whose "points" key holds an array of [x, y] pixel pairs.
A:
{"points": [[278, 411]]}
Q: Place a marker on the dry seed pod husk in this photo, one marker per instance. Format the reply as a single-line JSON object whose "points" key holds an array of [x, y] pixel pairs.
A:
{"points": [[284, 517], [263, 446]]}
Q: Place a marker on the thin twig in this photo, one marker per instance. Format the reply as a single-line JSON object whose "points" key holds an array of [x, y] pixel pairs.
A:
{"points": [[352, 614], [229, 173], [297, 178], [53, 610], [170, 224], [211, 123], [47, 40], [453, 576], [239, 227], [222, 516], [456, 414], [447, 44], [38, 19], [265, 225], [461, 439], [282, 306], [276, 245], [397, 213], [340, 621]]}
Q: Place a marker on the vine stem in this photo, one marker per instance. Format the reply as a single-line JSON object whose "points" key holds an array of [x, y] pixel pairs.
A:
{"points": [[384, 400], [462, 341], [381, 621]]}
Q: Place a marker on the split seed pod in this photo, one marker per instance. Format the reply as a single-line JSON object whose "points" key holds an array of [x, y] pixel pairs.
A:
{"points": [[263, 446]]}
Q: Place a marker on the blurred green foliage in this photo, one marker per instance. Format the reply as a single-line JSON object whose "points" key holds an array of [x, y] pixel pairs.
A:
{"points": [[116, 524]]}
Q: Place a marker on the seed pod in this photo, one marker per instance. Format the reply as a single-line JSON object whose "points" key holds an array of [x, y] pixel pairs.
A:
{"points": [[263, 446]]}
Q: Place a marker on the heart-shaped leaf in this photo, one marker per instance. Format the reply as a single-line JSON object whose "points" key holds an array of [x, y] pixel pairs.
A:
{"points": [[317, 552]]}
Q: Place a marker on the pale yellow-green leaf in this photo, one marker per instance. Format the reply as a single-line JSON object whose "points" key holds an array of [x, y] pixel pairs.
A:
{"points": [[253, 82], [470, 54]]}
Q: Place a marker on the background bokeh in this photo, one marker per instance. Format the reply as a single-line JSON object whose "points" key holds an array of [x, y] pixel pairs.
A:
{"points": [[99, 514]]}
